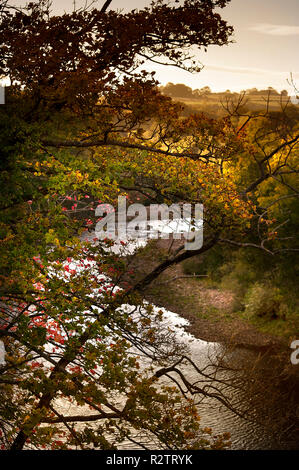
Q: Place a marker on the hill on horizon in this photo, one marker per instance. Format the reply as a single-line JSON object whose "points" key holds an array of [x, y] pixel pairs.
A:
{"points": [[216, 103]]}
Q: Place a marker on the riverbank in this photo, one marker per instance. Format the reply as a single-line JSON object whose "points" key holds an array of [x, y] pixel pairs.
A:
{"points": [[210, 311], [272, 381]]}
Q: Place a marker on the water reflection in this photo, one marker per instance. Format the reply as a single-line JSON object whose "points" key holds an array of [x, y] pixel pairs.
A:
{"points": [[245, 434]]}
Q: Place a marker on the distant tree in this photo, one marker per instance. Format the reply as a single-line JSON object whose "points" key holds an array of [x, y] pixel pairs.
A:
{"points": [[206, 90], [252, 91], [196, 93], [272, 90], [178, 90]]}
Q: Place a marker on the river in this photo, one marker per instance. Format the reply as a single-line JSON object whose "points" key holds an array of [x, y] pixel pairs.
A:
{"points": [[276, 432], [274, 426]]}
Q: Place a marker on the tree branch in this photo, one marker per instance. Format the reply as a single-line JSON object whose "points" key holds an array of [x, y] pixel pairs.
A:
{"points": [[105, 6], [101, 143], [140, 286], [80, 418]]}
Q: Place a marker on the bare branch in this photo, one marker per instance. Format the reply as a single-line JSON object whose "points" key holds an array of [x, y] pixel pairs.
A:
{"points": [[245, 245], [80, 418], [105, 6], [101, 143]]}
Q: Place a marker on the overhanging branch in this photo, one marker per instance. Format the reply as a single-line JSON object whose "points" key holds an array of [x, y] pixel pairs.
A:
{"points": [[116, 143]]}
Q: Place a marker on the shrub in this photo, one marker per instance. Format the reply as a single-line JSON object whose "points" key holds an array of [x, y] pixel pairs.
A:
{"points": [[265, 300], [193, 266]]}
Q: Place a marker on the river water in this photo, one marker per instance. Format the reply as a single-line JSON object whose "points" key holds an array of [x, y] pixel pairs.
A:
{"points": [[245, 435], [271, 428]]}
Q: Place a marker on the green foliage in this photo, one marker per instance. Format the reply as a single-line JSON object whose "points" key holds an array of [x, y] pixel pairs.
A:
{"points": [[80, 126], [70, 335], [265, 300]]}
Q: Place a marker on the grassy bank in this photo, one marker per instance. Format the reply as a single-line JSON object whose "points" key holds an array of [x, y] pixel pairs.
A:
{"points": [[211, 309]]}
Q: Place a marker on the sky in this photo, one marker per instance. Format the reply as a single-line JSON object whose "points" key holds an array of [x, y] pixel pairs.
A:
{"points": [[264, 52]]}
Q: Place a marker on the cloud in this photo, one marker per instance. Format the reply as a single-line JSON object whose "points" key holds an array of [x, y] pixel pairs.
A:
{"points": [[248, 70], [224, 68], [275, 29]]}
